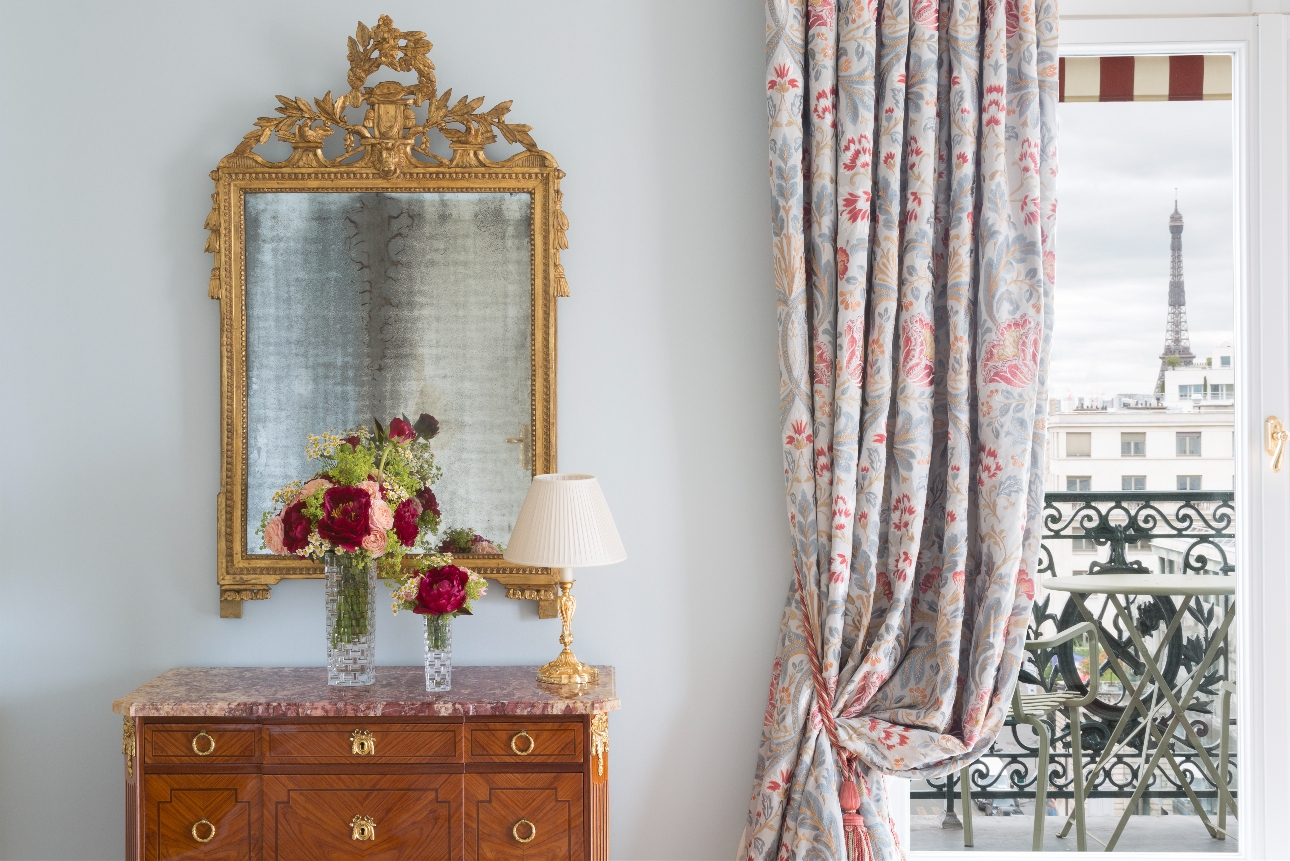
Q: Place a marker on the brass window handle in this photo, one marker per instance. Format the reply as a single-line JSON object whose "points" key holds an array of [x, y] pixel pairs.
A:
{"points": [[209, 746], [364, 828], [515, 832], [1274, 441], [362, 743], [209, 837], [527, 750]]}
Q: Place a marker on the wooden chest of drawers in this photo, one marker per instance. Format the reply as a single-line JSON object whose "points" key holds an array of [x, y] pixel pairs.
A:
{"points": [[271, 778]]}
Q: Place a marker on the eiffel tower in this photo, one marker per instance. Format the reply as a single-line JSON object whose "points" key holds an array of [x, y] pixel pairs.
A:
{"points": [[1177, 344]]}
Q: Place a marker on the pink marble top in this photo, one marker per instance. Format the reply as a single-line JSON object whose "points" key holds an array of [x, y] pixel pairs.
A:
{"points": [[398, 691]]}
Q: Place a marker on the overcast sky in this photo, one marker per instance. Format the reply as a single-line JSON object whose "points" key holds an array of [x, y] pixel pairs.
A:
{"points": [[1118, 164]]}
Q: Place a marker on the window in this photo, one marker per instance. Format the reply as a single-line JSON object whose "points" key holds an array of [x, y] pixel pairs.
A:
{"points": [[1225, 361], [1189, 446], [1222, 391], [1188, 482], [1185, 392], [1079, 444], [1133, 482], [1133, 445], [1079, 482], [1082, 545]]}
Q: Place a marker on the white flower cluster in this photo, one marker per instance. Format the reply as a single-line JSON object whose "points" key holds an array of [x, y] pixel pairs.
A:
{"points": [[287, 494]]}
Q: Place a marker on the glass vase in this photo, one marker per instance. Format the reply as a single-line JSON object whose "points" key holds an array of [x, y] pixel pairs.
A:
{"points": [[439, 652], [351, 620]]}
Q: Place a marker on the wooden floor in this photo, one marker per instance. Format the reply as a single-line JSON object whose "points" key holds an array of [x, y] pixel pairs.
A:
{"points": [[1166, 834]]}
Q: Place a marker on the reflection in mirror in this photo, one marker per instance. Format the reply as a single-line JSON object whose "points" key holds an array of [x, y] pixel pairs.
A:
{"points": [[362, 305]]}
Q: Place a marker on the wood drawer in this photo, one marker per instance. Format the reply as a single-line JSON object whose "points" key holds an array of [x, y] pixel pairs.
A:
{"points": [[200, 743], [412, 817], [505, 741], [362, 743], [536, 817], [183, 810]]}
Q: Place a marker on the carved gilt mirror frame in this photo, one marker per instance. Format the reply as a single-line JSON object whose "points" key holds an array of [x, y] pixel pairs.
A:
{"points": [[390, 132]]}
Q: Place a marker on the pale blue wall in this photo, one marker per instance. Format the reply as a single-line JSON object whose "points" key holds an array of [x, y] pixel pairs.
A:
{"points": [[109, 389]]}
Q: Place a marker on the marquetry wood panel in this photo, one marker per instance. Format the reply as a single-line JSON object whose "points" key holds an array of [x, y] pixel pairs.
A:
{"points": [[496, 803], [332, 743], [173, 743], [175, 803], [550, 742], [311, 817]]}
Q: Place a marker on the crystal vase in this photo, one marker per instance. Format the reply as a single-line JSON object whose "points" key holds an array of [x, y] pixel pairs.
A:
{"points": [[351, 620], [439, 652]]}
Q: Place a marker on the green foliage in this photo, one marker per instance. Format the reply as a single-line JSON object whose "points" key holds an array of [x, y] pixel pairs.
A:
{"points": [[461, 539], [314, 505], [352, 464]]}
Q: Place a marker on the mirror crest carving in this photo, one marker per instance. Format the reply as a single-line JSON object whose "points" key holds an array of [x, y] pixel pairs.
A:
{"points": [[382, 137]]}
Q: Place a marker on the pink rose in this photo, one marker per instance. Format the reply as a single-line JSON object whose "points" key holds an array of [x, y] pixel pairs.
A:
{"points": [[373, 489], [310, 486], [273, 535], [374, 543], [379, 515]]}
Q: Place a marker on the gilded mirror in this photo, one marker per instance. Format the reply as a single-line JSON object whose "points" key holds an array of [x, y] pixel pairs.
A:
{"points": [[368, 275]]}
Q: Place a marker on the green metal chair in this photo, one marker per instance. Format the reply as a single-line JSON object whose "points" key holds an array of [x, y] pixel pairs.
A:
{"points": [[1030, 709]]}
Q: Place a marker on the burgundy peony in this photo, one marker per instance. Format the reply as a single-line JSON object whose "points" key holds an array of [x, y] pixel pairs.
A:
{"points": [[427, 426], [429, 503], [443, 590], [295, 527], [401, 431], [353, 441], [345, 516], [405, 521]]}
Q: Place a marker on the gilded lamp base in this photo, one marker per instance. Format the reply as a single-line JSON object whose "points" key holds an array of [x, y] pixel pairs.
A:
{"points": [[566, 669]]}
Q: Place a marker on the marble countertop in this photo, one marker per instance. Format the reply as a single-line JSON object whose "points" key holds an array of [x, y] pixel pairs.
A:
{"points": [[398, 691]]}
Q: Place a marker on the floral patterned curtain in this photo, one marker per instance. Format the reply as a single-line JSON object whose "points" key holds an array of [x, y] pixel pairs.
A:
{"points": [[913, 166]]}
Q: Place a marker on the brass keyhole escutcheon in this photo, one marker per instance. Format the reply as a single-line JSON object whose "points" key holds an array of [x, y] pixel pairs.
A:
{"points": [[526, 751], [515, 832], [209, 745], [364, 828], [198, 826], [362, 743]]}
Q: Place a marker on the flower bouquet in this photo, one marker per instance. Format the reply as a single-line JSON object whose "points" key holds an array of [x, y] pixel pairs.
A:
{"points": [[439, 590], [369, 503]]}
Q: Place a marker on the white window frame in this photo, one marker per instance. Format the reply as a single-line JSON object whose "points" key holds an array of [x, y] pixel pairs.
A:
{"points": [[1257, 33]]}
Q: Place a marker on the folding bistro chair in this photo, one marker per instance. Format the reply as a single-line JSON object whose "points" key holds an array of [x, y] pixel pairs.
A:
{"points": [[1030, 709]]}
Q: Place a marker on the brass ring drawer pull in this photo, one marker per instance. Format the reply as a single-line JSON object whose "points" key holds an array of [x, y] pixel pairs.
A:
{"points": [[209, 837], [364, 828], [526, 751], [210, 745], [515, 832], [362, 743]]}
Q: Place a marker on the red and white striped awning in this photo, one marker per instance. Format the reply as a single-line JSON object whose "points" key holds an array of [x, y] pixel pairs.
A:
{"points": [[1153, 78]]}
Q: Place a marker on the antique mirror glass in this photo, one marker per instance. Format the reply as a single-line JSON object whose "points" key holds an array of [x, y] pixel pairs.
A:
{"points": [[399, 271], [362, 305]]}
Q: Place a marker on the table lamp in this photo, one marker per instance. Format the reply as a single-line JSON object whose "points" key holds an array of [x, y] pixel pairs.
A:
{"points": [[565, 524]]}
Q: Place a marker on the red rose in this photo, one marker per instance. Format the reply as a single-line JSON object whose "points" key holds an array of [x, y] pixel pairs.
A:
{"points": [[405, 521], [443, 590], [295, 527], [345, 516], [429, 503], [401, 431]]}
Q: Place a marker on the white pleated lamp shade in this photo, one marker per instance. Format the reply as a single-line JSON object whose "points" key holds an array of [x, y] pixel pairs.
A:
{"points": [[565, 523]]}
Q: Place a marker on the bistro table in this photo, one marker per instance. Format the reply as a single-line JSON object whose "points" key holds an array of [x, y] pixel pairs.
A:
{"points": [[1189, 588]]}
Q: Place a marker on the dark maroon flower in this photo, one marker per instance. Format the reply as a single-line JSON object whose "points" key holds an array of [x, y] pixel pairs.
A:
{"points": [[295, 527], [401, 431], [345, 513], [353, 442], [443, 590], [405, 521], [427, 426], [429, 503]]}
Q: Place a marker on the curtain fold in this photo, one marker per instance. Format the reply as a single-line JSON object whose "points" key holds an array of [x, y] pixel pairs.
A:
{"points": [[913, 171]]}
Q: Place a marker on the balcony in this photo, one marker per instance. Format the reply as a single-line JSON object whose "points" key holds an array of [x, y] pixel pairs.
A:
{"points": [[1193, 533]]}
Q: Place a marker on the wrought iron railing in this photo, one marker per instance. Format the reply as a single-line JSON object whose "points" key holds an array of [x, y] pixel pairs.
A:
{"points": [[1192, 531]]}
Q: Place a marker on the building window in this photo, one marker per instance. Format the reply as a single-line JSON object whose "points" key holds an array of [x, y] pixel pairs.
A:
{"points": [[1225, 361], [1133, 482], [1189, 482], [1079, 444], [1189, 445], [1079, 482], [1186, 392], [1133, 445], [1082, 545], [1222, 391]]}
